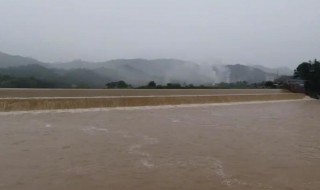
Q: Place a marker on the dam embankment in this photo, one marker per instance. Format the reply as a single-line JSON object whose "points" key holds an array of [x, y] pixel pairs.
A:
{"points": [[46, 99], [29, 93]]}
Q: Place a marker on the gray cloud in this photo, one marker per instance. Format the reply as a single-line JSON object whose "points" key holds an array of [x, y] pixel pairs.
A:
{"points": [[267, 32]]}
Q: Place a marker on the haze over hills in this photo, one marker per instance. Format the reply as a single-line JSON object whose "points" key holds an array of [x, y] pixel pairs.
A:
{"points": [[278, 70], [134, 71], [7, 60]]}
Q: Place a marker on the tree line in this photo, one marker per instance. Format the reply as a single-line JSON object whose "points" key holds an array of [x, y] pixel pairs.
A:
{"points": [[24, 82], [223, 85]]}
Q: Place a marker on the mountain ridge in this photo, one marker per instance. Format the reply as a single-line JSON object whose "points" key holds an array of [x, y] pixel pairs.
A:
{"points": [[139, 71]]}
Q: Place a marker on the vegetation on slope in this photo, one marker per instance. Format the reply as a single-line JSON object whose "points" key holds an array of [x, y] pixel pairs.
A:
{"points": [[24, 82], [310, 72]]}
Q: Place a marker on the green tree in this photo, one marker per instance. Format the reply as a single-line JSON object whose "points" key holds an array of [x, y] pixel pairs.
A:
{"points": [[152, 84], [269, 84], [303, 71], [173, 85], [310, 72], [118, 84]]}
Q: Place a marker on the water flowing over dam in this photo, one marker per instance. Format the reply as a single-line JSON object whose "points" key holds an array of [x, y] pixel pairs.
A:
{"points": [[38, 99], [261, 144]]}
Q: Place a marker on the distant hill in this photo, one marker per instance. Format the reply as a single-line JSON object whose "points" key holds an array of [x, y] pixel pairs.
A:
{"points": [[134, 71], [84, 78], [76, 64], [36, 71], [7, 60], [250, 74], [141, 71], [278, 70], [61, 78]]}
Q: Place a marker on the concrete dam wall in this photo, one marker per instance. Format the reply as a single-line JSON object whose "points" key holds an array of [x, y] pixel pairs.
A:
{"points": [[39, 99]]}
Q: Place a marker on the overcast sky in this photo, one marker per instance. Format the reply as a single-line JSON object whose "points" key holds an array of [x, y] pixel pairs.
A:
{"points": [[267, 32]]}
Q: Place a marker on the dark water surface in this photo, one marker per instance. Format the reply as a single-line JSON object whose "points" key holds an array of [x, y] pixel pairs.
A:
{"points": [[273, 145]]}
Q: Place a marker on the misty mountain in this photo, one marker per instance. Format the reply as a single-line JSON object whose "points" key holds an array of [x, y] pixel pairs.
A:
{"points": [[250, 74], [61, 78], [84, 78], [141, 71], [278, 71], [75, 64], [32, 70], [134, 71], [163, 71], [7, 60]]}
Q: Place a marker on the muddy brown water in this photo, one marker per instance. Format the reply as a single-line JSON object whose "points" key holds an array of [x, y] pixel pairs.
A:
{"points": [[246, 146], [9, 93]]}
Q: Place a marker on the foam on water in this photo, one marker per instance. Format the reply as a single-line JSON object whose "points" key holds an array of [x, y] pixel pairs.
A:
{"points": [[147, 163], [80, 110], [176, 121], [93, 128], [136, 149], [48, 126]]}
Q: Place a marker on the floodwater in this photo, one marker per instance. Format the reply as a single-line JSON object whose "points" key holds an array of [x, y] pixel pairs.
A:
{"points": [[28, 93], [249, 146]]}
